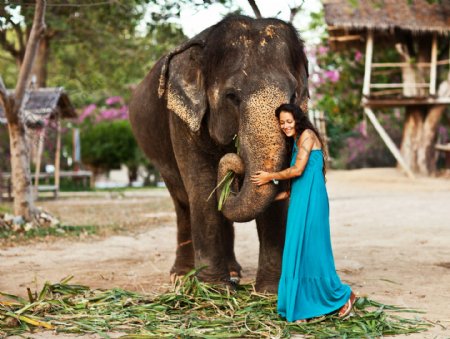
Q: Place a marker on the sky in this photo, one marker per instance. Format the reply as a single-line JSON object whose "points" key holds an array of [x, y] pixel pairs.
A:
{"points": [[194, 20]]}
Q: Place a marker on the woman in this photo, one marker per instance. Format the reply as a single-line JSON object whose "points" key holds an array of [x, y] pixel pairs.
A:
{"points": [[309, 285]]}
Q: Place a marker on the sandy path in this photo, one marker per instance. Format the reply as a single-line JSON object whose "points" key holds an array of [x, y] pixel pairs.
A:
{"points": [[390, 238]]}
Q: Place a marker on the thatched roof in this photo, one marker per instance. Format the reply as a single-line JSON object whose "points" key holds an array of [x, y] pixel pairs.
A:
{"points": [[44, 103], [416, 16]]}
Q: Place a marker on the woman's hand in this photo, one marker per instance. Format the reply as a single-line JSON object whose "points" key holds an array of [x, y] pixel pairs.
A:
{"points": [[261, 178]]}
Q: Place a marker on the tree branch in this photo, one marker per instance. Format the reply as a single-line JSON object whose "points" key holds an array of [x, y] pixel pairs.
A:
{"points": [[295, 10], [255, 9], [36, 33], [19, 33], [6, 45], [4, 98]]}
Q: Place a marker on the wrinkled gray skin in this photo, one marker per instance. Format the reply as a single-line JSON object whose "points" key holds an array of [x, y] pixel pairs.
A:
{"points": [[226, 81]]}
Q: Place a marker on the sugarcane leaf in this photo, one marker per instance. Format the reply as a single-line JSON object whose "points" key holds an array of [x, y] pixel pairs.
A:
{"points": [[193, 309]]}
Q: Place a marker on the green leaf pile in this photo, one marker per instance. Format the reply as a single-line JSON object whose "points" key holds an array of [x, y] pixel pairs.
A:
{"points": [[191, 309]]}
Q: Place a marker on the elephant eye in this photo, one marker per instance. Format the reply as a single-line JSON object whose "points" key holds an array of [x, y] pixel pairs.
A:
{"points": [[233, 97]]}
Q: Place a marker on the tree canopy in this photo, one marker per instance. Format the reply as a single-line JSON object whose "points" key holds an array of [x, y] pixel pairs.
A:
{"points": [[92, 49]]}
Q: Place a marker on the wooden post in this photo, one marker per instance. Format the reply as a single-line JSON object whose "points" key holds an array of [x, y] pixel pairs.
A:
{"points": [[58, 151], [76, 149], [433, 66], [388, 141], [38, 161], [368, 63]]}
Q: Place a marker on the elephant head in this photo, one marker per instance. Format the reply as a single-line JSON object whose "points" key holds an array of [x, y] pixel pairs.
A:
{"points": [[230, 79]]}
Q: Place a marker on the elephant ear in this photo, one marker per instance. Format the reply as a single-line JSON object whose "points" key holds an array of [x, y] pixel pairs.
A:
{"points": [[183, 83], [303, 95]]}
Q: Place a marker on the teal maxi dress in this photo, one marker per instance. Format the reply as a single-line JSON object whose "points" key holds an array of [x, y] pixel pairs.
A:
{"points": [[309, 285]]}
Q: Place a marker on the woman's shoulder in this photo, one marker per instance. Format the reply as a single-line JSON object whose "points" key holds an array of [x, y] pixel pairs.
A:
{"points": [[306, 134], [308, 139]]}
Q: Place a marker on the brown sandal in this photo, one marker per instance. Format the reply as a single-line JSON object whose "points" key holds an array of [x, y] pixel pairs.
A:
{"points": [[347, 308]]}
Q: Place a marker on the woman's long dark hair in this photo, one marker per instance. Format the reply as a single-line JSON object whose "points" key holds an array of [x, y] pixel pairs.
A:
{"points": [[302, 123]]}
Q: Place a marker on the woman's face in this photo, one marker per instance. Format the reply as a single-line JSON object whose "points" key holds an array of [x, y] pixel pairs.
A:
{"points": [[287, 123]]}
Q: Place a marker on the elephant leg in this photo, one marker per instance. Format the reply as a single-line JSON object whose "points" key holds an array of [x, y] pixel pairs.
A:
{"points": [[184, 260], [208, 237], [271, 225], [198, 170], [233, 266]]}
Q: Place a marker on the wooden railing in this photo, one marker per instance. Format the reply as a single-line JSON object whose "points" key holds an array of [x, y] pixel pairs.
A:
{"points": [[392, 88], [6, 184]]}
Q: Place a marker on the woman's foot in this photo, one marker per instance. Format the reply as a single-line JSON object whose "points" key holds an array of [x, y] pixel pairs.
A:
{"points": [[346, 309]]}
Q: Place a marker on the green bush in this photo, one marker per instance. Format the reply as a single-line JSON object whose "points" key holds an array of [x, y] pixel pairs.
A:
{"points": [[108, 144]]}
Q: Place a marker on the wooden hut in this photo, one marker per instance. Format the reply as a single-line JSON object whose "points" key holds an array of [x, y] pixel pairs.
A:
{"points": [[419, 80], [40, 106]]}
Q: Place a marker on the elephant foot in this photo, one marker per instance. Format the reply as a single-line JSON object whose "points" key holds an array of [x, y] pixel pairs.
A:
{"points": [[266, 287], [235, 277], [232, 282], [266, 284], [180, 270], [235, 271]]}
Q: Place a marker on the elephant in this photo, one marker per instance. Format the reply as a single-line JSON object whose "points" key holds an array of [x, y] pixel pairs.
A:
{"points": [[225, 82]]}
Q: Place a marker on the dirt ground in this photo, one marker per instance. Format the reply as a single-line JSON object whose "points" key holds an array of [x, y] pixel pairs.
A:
{"points": [[390, 238]]}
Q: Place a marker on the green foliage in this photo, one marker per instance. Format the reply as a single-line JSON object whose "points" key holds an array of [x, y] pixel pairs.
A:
{"points": [[363, 147], [108, 144], [337, 82], [41, 232], [338, 94], [226, 182], [8, 68], [95, 50]]}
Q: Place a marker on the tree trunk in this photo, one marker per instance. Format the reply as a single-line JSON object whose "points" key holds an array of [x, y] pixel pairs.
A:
{"points": [[255, 9], [419, 138], [20, 172], [13, 107], [421, 122], [426, 154], [95, 172], [410, 138], [132, 175], [40, 64], [412, 74]]}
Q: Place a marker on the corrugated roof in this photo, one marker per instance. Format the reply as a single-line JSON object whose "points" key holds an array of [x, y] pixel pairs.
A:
{"points": [[409, 15], [42, 103]]}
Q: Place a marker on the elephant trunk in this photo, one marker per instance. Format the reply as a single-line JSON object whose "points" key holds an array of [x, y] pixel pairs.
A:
{"points": [[262, 148]]}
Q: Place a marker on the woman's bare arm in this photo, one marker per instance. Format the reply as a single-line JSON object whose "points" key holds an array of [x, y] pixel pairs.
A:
{"points": [[305, 145]]}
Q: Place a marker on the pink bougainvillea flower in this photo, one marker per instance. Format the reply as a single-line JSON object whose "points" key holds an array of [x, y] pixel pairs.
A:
{"points": [[322, 50], [108, 114], [114, 100], [362, 128], [332, 75], [87, 112], [358, 56], [123, 112]]}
